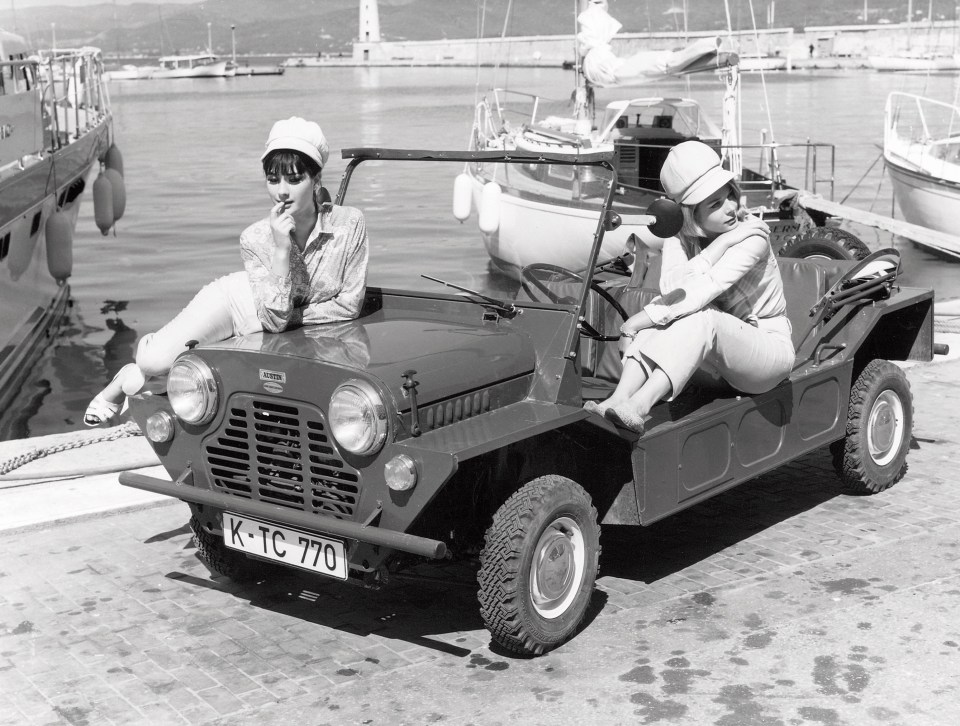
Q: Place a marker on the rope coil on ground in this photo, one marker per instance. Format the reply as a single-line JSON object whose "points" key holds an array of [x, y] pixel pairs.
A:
{"points": [[128, 429]]}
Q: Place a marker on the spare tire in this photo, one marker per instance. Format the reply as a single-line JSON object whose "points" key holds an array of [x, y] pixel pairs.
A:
{"points": [[826, 243]]}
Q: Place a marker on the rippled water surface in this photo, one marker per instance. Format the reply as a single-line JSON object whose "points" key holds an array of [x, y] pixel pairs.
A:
{"points": [[191, 156]]}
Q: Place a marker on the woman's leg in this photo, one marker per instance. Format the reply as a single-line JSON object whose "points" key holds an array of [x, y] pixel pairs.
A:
{"points": [[218, 311], [631, 379], [750, 359]]}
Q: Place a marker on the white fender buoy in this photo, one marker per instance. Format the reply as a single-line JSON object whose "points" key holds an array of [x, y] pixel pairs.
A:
{"points": [[489, 214], [22, 244], [113, 159], [103, 203], [462, 197], [119, 192], [59, 234]]}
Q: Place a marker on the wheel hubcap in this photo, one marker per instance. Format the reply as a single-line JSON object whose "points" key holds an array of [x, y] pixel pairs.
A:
{"points": [[885, 428], [558, 567]]}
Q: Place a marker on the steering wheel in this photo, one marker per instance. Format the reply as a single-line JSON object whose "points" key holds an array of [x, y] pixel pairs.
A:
{"points": [[527, 283]]}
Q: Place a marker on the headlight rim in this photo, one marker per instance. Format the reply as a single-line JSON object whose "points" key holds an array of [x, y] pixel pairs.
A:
{"points": [[211, 389], [381, 420]]}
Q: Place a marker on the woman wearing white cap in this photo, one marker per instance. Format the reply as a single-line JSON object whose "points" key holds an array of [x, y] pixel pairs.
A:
{"points": [[305, 263], [721, 306]]}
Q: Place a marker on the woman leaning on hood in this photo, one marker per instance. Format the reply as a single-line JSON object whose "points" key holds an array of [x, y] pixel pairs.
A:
{"points": [[722, 307], [305, 263]]}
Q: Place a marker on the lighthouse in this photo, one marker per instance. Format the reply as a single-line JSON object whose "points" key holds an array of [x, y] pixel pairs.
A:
{"points": [[369, 37], [369, 22]]}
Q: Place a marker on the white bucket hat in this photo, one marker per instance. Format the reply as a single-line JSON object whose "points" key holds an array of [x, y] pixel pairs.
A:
{"points": [[298, 134], [692, 172]]}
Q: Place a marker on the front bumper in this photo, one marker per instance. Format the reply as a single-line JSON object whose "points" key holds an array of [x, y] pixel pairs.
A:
{"points": [[369, 534]]}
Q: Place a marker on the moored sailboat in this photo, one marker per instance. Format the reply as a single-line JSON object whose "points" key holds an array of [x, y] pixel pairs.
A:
{"points": [[921, 152], [536, 215]]}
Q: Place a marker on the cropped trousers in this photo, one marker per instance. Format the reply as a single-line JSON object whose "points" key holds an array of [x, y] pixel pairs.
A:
{"points": [[222, 309], [752, 359]]}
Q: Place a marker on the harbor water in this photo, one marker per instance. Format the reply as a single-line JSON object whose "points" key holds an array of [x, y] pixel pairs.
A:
{"points": [[191, 153]]}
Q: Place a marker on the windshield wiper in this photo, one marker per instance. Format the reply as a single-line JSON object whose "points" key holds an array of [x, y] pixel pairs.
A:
{"points": [[508, 310]]}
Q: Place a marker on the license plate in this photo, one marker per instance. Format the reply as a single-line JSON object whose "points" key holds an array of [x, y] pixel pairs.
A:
{"points": [[288, 546]]}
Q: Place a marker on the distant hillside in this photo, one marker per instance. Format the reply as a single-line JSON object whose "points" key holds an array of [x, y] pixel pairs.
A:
{"points": [[330, 26]]}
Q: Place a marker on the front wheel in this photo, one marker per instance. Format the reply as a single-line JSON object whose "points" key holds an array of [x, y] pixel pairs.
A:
{"points": [[538, 565], [873, 455], [222, 561]]}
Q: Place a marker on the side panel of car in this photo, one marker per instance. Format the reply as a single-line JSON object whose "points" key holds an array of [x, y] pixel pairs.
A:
{"points": [[732, 440]]}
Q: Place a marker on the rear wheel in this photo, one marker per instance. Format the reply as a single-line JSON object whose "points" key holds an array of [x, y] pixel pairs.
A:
{"points": [[873, 455], [826, 243], [538, 565]]}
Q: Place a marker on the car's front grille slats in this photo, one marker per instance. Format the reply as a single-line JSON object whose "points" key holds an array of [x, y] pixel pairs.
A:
{"points": [[281, 454]]}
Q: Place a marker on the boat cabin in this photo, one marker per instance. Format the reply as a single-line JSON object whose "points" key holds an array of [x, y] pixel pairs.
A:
{"points": [[20, 107], [643, 130], [178, 62]]}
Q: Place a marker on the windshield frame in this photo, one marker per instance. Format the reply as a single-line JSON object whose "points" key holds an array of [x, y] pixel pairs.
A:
{"points": [[604, 159]]}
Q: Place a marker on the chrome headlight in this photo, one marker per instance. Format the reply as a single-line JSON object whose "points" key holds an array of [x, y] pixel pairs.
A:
{"points": [[192, 390], [358, 417]]}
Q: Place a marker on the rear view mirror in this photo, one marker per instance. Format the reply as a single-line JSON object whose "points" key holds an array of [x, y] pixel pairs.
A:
{"points": [[669, 218], [611, 221]]}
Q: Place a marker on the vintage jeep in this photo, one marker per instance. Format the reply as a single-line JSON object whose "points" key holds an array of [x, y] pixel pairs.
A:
{"points": [[438, 424]]}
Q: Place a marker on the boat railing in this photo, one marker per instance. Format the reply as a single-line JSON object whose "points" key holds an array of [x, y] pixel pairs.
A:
{"points": [[74, 92], [779, 164], [810, 166], [918, 119], [526, 108]]}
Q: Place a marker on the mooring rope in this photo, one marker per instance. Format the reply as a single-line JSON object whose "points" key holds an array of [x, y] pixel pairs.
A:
{"points": [[117, 432]]}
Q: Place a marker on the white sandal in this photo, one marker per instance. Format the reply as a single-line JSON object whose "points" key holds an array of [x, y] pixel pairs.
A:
{"points": [[101, 411]]}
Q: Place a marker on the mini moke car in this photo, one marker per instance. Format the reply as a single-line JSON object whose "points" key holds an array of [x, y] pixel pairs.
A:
{"points": [[448, 417]]}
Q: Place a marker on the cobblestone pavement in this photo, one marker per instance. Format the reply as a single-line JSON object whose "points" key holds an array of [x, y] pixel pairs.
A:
{"points": [[784, 601]]}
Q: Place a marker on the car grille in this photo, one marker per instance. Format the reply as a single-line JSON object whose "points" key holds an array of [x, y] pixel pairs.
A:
{"points": [[280, 453]]}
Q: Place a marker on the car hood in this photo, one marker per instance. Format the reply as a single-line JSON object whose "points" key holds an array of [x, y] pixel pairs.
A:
{"points": [[449, 358]]}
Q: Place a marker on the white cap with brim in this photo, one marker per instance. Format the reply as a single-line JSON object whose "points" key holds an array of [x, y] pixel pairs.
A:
{"points": [[297, 134], [692, 172]]}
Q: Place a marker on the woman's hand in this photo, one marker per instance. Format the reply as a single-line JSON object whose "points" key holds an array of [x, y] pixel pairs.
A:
{"points": [[282, 225]]}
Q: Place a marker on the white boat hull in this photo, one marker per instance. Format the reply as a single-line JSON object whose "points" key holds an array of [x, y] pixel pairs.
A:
{"points": [[926, 200], [532, 231], [222, 69], [914, 64], [764, 63]]}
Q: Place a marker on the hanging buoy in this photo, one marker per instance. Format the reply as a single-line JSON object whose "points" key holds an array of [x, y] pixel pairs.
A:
{"points": [[119, 192], [59, 235], [462, 197], [22, 244], [113, 159], [103, 203], [489, 215]]}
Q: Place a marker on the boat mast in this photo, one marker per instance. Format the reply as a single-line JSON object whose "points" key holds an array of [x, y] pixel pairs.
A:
{"points": [[582, 92]]}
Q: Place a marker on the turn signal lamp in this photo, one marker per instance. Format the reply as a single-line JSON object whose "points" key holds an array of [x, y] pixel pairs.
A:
{"points": [[400, 473], [159, 427]]}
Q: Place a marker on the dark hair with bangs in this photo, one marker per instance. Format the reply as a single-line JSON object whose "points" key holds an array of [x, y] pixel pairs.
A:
{"points": [[284, 162]]}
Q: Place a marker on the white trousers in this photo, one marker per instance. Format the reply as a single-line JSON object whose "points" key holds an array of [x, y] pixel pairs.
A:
{"points": [[222, 309], [751, 359]]}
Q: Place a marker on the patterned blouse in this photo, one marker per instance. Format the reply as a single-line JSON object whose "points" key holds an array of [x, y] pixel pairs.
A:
{"points": [[744, 282], [325, 282]]}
